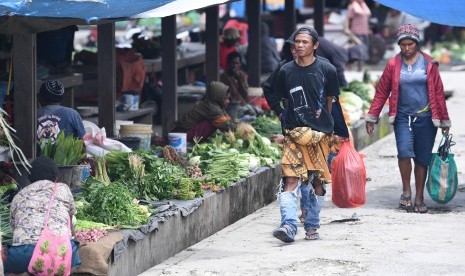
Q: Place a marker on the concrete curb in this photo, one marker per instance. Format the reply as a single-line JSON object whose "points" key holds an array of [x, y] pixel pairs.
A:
{"points": [[215, 213]]}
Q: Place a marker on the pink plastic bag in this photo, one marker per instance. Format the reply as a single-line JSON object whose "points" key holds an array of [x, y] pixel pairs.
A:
{"points": [[348, 177], [52, 253]]}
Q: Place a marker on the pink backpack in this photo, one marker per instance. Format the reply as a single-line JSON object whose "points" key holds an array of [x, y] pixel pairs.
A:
{"points": [[52, 253]]}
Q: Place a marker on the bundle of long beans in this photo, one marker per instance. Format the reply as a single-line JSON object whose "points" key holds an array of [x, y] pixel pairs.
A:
{"points": [[14, 149]]}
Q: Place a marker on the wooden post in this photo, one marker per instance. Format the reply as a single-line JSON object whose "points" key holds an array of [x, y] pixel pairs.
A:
{"points": [[25, 98], [212, 47], [106, 58], [319, 16], [169, 107], [254, 49], [290, 18]]}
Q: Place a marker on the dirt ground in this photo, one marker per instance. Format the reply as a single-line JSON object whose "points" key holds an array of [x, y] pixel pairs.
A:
{"points": [[384, 241]]}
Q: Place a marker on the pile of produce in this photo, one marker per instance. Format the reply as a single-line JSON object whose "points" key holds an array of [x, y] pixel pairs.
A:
{"points": [[65, 150], [267, 126], [112, 204], [447, 52], [7, 236], [7, 190], [83, 225], [89, 231], [226, 158], [90, 235], [355, 99], [227, 167], [150, 177]]}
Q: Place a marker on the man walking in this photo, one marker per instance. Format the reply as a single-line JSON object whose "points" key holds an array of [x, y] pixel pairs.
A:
{"points": [[308, 84]]}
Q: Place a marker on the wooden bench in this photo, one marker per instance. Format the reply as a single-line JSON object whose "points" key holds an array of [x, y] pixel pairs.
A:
{"points": [[191, 58], [141, 116]]}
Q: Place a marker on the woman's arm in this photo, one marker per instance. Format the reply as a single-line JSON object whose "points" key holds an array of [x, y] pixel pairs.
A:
{"points": [[383, 91]]}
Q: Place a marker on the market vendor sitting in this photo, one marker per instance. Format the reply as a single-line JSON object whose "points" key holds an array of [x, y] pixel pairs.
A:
{"points": [[28, 214], [229, 44], [52, 117], [236, 79], [208, 115]]}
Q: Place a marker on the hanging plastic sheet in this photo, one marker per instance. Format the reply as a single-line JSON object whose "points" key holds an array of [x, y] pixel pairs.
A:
{"points": [[42, 15], [448, 12]]}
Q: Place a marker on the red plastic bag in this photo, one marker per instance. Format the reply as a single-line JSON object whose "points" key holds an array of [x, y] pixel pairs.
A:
{"points": [[348, 176]]}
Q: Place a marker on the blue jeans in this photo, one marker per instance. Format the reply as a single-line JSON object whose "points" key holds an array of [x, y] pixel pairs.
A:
{"points": [[311, 203], [288, 206]]}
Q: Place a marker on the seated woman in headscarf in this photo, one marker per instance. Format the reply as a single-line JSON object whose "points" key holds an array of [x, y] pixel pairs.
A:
{"points": [[28, 214], [208, 115]]}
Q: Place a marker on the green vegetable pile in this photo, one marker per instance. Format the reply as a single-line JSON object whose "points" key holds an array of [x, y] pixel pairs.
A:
{"points": [[267, 126], [356, 98], [364, 90], [226, 168], [111, 204], [7, 236], [82, 225], [226, 158], [189, 188], [150, 177], [5, 188], [65, 150]]}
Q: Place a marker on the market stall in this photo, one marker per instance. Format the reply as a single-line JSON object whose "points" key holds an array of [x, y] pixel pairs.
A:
{"points": [[135, 200]]}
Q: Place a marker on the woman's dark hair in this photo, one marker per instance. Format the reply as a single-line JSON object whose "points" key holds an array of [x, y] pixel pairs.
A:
{"points": [[43, 168], [286, 53]]}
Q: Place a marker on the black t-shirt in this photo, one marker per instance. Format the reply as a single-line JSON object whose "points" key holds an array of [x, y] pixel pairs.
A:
{"points": [[307, 88]]}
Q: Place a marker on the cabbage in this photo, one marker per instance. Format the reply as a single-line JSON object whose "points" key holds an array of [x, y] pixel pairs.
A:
{"points": [[254, 163], [194, 160], [350, 101]]}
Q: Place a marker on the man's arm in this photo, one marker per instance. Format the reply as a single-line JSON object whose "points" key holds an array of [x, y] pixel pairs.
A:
{"points": [[272, 95], [329, 103]]}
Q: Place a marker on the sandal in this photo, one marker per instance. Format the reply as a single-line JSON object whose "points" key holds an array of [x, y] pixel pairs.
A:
{"points": [[420, 208], [284, 234], [405, 202], [312, 236]]}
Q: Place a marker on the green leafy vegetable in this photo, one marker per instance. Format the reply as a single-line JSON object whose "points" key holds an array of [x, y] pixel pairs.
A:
{"points": [[66, 150]]}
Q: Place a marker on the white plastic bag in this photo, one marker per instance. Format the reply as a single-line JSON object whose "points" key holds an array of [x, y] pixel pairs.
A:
{"points": [[98, 143]]}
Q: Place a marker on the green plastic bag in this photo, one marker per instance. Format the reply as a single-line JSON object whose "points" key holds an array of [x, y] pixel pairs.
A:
{"points": [[442, 173]]}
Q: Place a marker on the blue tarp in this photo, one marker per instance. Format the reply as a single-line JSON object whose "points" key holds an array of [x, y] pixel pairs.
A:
{"points": [[239, 6], [89, 10], [447, 12], [40, 15]]}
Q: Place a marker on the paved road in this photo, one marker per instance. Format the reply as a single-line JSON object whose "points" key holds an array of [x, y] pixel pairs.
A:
{"points": [[385, 240]]}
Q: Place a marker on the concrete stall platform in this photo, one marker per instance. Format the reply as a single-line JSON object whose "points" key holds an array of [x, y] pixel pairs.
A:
{"points": [[217, 211], [360, 135]]}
